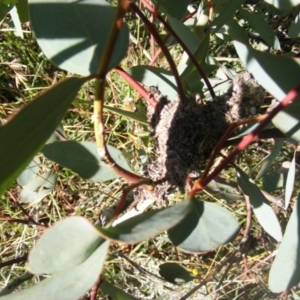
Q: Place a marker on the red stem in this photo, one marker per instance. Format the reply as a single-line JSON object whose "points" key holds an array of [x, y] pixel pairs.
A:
{"points": [[139, 88], [246, 141], [190, 54], [150, 27], [21, 221], [29, 221], [13, 261]]}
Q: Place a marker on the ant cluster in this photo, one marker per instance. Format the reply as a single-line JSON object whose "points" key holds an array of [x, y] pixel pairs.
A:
{"points": [[187, 131]]}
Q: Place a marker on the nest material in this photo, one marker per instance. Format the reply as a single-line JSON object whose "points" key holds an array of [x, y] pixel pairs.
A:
{"points": [[187, 131]]}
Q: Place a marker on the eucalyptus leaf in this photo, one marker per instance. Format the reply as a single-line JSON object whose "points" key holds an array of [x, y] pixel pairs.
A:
{"points": [[4, 9], [235, 31], [30, 172], [204, 228], [294, 30], [17, 23], [268, 69], [9, 2], [289, 187], [272, 182], [69, 284], [65, 245], [148, 224], [225, 13], [175, 273], [30, 128], [58, 134], [265, 31], [30, 196], [285, 270], [190, 71], [271, 157], [128, 114], [22, 7], [283, 4], [174, 8], [262, 210], [190, 40], [152, 76], [83, 158], [287, 120], [39, 187], [114, 292], [78, 33]]}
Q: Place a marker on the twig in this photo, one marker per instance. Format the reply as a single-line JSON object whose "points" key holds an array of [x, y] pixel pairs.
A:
{"points": [[144, 271], [246, 141], [248, 271], [14, 284], [13, 261], [164, 48], [265, 134], [20, 221], [146, 183], [232, 127], [135, 85], [30, 220], [248, 221], [93, 295], [190, 54], [209, 277], [275, 200], [99, 94]]}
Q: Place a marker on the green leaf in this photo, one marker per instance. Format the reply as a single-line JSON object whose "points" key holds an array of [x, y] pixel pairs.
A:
{"points": [[4, 9], [27, 131], [205, 228], [287, 120], [78, 33], [290, 182], [294, 30], [114, 292], [189, 38], [262, 210], [58, 134], [267, 69], [37, 188], [224, 190], [175, 273], [190, 71], [148, 224], [192, 78], [283, 4], [272, 182], [226, 13], [262, 27], [152, 76], [65, 245], [271, 157], [235, 31], [29, 172], [128, 114], [9, 2], [17, 23], [285, 270], [83, 158], [174, 8], [22, 7], [70, 284]]}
